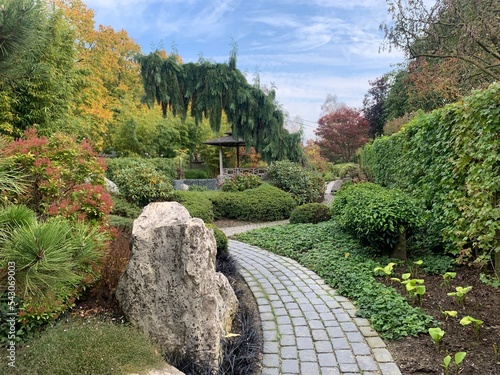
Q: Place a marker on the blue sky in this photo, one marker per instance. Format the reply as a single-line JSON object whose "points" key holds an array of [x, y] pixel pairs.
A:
{"points": [[307, 49]]}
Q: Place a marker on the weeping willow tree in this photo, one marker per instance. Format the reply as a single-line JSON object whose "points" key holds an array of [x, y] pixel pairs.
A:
{"points": [[207, 90]]}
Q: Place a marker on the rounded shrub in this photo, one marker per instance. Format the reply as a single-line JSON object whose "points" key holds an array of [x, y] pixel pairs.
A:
{"points": [[303, 185], [310, 213], [197, 203], [142, 184], [382, 217], [264, 203]]}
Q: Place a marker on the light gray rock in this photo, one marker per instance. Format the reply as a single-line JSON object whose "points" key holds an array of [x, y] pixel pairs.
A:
{"points": [[112, 187], [184, 187], [170, 289]]}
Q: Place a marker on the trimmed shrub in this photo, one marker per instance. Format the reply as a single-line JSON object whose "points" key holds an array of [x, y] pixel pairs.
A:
{"points": [[196, 174], [197, 203], [141, 184], [264, 203], [378, 216], [310, 213], [303, 185], [198, 188], [241, 182]]}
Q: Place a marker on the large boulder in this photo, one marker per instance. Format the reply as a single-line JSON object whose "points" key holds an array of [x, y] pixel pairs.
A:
{"points": [[170, 289]]}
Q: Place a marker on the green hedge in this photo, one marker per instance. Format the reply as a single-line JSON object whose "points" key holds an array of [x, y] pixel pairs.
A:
{"points": [[449, 159], [377, 216], [310, 213], [264, 203], [198, 203]]}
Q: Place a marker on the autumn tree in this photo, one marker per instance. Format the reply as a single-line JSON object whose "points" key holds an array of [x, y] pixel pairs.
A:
{"points": [[465, 30], [342, 132]]}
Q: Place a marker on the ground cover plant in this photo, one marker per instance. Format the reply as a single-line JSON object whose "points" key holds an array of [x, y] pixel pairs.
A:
{"points": [[345, 265], [86, 346]]}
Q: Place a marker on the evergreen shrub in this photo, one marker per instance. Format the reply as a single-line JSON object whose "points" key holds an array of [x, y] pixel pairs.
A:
{"points": [[304, 186], [376, 215], [342, 170], [197, 203], [54, 261], [240, 182], [196, 174], [264, 203], [142, 184], [310, 213]]}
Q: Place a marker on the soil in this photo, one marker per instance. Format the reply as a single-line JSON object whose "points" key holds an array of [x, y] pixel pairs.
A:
{"points": [[420, 355]]}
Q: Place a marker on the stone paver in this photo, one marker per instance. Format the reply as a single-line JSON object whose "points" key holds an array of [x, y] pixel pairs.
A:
{"points": [[307, 328]]}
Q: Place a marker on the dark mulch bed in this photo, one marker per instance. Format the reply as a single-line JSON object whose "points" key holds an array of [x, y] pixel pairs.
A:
{"points": [[419, 355]]}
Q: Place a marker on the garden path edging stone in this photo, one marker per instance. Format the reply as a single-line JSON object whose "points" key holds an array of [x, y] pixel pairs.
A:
{"points": [[307, 327]]}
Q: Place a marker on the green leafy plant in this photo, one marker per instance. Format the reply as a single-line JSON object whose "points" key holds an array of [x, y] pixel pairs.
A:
{"points": [[459, 294], [450, 313], [457, 360], [378, 216], [445, 166], [303, 185], [414, 268], [475, 323], [447, 276], [240, 182], [63, 177], [387, 270], [437, 335], [492, 281], [415, 289], [310, 213]]}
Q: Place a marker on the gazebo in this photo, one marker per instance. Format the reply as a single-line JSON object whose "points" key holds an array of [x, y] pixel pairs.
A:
{"points": [[229, 141]]}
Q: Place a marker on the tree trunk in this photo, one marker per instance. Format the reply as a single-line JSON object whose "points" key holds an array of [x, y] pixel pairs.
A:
{"points": [[399, 251]]}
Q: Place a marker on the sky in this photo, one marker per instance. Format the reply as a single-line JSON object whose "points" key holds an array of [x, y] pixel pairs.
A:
{"points": [[305, 49]]}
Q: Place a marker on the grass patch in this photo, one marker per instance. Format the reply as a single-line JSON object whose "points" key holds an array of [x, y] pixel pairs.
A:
{"points": [[348, 267], [86, 347]]}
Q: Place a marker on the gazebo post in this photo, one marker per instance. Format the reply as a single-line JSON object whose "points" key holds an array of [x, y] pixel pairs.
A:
{"points": [[221, 168], [238, 157]]}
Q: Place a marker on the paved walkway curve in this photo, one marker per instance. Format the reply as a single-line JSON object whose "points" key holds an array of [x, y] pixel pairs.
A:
{"points": [[307, 328]]}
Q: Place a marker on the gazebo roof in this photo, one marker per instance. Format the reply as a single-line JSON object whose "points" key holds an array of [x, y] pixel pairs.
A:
{"points": [[227, 141]]}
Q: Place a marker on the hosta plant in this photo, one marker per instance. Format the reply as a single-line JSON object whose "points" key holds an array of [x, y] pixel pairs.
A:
{"points": [[447, 278], [437, 335], [459, 294], [457, 360], [475, 323]]}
